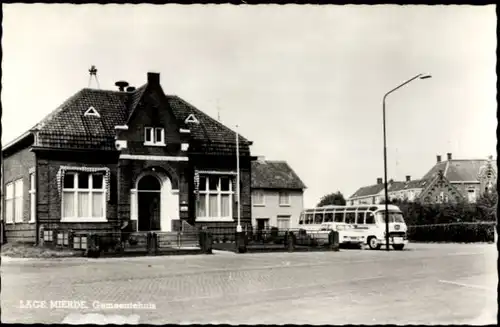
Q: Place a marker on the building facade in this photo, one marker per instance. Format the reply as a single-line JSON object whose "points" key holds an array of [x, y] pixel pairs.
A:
{"points": [[137, 157], [277, 194], [452, 180]]}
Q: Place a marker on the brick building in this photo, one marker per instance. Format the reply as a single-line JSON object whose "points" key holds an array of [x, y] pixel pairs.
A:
{"points": [[277, 194], [447, 181], [105, 159]]}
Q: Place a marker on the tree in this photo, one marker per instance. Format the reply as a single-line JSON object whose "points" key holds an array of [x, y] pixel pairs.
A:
{"points": [[332, 199]]}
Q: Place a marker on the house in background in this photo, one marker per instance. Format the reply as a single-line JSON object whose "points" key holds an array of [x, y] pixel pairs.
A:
{"points": [[277, 194], [136, 157], [447, 181]]}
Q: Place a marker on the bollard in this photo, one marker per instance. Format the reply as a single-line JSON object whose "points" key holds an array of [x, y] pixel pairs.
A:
{"points": [[202, 240], [240, 242], [291, 242], [208, 243], [333, 240], [93, 249]]}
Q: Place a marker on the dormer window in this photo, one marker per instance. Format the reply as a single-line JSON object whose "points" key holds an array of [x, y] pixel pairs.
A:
{"points": [[154, 136], [91, 112], [191, 119]]}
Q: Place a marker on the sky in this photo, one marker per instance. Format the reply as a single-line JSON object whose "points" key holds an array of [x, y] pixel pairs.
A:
{"points": [[304, 83]]}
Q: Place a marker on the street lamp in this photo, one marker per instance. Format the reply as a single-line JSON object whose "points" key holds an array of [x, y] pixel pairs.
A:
{"points": [[238, 227], [419, 76]]}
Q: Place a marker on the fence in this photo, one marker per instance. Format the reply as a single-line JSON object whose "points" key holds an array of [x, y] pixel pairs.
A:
{"points": [[274, 239], [104, 243], [465, 232]]}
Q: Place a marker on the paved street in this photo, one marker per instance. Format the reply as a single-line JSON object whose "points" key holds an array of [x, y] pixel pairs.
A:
{"points": [[426, 284]]}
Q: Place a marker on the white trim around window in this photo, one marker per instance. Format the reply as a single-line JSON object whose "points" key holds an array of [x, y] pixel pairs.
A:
{"points": [[83, 197], [258, 198], [32, 193], [215, 198], [284, 199], [9, 203], [154, 136]]}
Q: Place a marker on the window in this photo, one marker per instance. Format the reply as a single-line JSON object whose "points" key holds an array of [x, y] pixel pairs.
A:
{"points": [[83, 197], [329, 217], [309, 218], [370, 218], [32, 193], [350, 217], [18, 201], [154, 136], [318, 218], [301, 219], [91, 112], [283, 222], [339, 217], [9, 203], [284, 199], [258, 198], [360, 218], [472, 195], [216, 197]]}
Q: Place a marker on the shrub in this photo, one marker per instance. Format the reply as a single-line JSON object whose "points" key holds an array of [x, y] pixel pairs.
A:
{"points": [[454, 232]]}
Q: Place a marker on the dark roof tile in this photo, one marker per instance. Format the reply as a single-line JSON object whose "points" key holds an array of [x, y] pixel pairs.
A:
{"points": [[274, 175]]}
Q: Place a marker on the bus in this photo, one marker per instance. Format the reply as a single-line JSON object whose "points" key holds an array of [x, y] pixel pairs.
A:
{"points": [[358, 224]]}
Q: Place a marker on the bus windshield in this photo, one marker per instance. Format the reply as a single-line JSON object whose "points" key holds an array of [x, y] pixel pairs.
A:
{"points": [[394, 217]]}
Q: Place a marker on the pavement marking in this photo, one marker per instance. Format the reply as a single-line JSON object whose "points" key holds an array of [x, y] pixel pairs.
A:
{"points": [[465, 285]]}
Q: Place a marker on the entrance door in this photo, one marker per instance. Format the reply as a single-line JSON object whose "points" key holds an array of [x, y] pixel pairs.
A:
{"points": [[149, 203]]}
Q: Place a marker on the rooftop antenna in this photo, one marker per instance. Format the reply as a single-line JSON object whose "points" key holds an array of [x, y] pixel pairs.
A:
{"points": [[218, 110], [93, 72]]}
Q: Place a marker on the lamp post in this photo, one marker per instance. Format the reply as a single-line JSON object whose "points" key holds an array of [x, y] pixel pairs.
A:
{"points": [[420, 76], [238, 227]]}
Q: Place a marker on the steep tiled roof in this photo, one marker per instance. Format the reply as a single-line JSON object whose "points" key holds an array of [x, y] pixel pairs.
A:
{"points": [[400, 186], [67, 127], [208, 128], [275, 175], [459, 170], [368, 190]]}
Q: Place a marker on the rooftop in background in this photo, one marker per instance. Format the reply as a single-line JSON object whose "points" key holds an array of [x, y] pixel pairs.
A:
{"points": [[267, 174]]}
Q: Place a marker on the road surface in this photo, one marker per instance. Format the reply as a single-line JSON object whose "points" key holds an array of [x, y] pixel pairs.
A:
{"points": [[425, 284]]}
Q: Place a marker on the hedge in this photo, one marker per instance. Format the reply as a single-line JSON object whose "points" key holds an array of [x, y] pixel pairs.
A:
{"points": [[451, 222], [455, 232]]}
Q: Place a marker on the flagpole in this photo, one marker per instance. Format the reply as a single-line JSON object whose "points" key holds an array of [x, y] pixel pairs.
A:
{"points": [[238, 227]]}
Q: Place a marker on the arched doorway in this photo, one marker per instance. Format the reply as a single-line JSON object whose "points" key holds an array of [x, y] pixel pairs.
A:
{"points": [[149, 203]]}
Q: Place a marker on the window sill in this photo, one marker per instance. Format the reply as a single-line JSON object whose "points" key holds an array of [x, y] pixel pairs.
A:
{"points": [[285, 205], [259, 205], [84, 220], [155, 144], [213, 219]]}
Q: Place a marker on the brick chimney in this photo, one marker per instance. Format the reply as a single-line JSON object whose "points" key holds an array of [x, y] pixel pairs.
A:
{"points": [[438, 158], [379, 181], [153, 78], [449, 155], [408, 178]]}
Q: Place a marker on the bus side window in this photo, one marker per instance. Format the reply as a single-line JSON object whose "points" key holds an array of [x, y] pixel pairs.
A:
{"points": [[360, 219], [318, 218], [350, 217], [301, 219], [329, 217], [339, 217], [370, 218], [309, 218]]}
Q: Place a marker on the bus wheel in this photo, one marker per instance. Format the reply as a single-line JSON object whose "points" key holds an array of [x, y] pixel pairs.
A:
{"points": [[373, 243], [398, 247]]}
